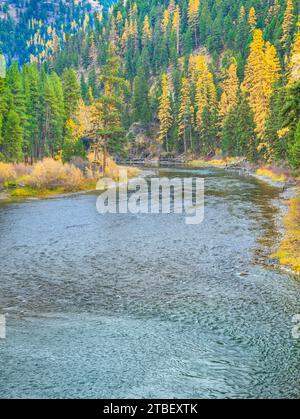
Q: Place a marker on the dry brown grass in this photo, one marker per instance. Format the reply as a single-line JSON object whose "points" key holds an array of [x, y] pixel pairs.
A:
{"points": [[50, 174], [22, 169], [48, 177], [7, 173]]}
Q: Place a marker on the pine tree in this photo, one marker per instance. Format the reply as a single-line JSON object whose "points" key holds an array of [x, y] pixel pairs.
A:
{"points": [[140, 100], [242, 32], [295, 149], [238, 135], [291, 109], [165, 112], [2, 111], [276, 135], [13, 138], [71, 90], [16, 96], [53, 117], [32, 89], [83, 87], [229, 143], [106, 112]]}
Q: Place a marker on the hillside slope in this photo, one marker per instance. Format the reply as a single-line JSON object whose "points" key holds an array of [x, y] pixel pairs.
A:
{"points": [[33, 28], [195, 77]]}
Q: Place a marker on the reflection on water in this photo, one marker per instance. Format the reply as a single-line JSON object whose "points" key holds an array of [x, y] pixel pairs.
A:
{"points": [[146, 306]]}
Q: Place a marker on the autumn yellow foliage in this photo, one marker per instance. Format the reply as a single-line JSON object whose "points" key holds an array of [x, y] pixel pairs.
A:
{"points": [[269, 173], [215, 162], [7, 172], [289, 251], [50, 174]]}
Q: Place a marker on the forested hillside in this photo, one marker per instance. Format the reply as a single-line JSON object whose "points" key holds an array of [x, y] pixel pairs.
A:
{"points": [[195, 77], [35, 29]]}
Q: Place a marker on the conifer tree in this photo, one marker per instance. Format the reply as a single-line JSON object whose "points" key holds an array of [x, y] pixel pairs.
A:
{"points": [[294, 65], [262, 71], [252, 19], [16, 96], [230, 91], [185, 114], [140, 100], [165, 112], [147, 32], [71, 91], [287, 22], [73, 146], [32, 89], [13, 138], [106, 112], [295, 149], [176, 27], [206, 96], [165, 21], [193, 12]]}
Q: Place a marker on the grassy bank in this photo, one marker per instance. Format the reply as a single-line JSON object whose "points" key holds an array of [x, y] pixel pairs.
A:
{"points": [[289, 250], [49, 178], [216, 162]]}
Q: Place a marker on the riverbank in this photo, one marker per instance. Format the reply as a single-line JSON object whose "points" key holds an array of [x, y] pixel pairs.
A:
{"points": [[288, 252], [66, 180], [51, 179]]}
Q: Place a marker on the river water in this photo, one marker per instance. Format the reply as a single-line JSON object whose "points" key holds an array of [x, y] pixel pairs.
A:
{"points": [[132, 306]]}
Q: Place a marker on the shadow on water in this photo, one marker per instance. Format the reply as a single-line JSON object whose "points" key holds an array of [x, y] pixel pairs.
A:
{"points": [[146, 306]]}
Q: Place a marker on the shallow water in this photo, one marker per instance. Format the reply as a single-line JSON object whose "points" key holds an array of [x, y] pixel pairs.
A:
{"points": [[133, 306]]}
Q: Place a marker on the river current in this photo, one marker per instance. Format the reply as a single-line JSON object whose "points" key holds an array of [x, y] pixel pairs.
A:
{"points": [[145, 306]]}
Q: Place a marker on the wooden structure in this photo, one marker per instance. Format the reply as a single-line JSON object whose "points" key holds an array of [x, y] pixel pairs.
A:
{"points": [[99, 151]]}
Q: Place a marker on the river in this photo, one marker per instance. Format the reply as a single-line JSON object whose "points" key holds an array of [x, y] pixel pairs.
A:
{"points": [[133, 306]]}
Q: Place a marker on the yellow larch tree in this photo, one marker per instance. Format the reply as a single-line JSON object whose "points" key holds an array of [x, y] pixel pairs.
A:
{"points": [[185, 115], [119, 18], [272, 68], [287, 22], [113, 35], [230, 88], [242, 13], [206, 95], [193, 13], [147, 32], [165, 21], [176, 27], [294, 65], [197, 65], [165, 111], [125, 35], [252, 19], [261, 72]]}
